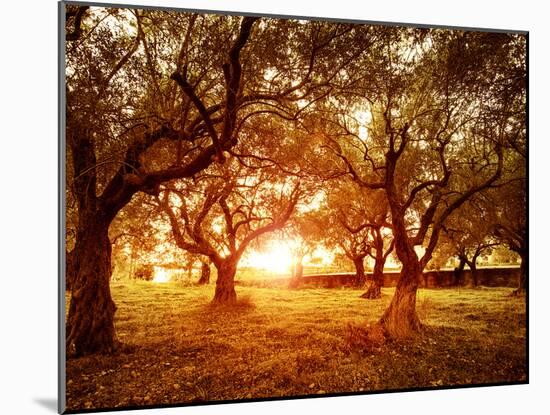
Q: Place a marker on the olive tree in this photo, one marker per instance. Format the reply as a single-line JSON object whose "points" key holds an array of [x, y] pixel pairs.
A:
{"points": [[433, 128]]}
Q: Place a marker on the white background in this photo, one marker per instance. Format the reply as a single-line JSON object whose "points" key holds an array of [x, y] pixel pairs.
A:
{"points": [[28, 209]]}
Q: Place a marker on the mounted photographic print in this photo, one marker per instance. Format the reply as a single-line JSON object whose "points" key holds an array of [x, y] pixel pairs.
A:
{"points": [[258, 207]]}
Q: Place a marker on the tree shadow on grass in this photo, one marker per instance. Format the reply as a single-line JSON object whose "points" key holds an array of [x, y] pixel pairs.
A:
{"points": [[210, 313], [243, 304]]}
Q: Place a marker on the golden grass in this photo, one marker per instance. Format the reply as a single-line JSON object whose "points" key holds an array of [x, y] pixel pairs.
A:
{"points": [[278, 342]]}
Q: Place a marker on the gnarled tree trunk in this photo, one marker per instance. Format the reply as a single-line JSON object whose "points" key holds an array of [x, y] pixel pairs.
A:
{"points": [[90, 323], [400, 319], [375, 283], [376, 280], [459, 272], [205, 273], [522, 283], [475, 275], [359, 263], [225, 283], [472, 264], [378, 272]]}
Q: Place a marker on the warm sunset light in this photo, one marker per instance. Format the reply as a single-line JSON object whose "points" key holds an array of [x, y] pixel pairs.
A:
{"points": [[161, 275], [260, 207], [277, 258]]}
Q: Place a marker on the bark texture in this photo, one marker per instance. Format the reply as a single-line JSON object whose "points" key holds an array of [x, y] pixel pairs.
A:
{"points": [[400, 319], [225, 283], [459, 272], [375, 282], [359, 263], [475, 275], [90, 327], [522, 283], [205, 274], [372, 290]]}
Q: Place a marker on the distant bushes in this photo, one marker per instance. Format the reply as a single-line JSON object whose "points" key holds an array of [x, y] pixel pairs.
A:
{"points": [[144, 272]]}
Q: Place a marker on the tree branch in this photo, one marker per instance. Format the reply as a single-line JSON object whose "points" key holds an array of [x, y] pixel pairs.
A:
{"points": [[77, 24], [278, 223]]}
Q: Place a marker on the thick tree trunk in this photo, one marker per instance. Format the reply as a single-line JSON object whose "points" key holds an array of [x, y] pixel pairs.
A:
{"points": [[475, 275], [90, 323], [378, 272], [400, 319], [522, 283], [459, 272], [205, 273], [225, 283], [372, 290], [360, 278], [375, 282]]}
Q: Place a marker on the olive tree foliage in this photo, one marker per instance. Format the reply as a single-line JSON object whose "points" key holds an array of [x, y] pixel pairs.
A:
{"points": [[430, 127], [153, 96]]}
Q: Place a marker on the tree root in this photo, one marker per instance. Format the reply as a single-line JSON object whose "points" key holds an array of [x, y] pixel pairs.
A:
{"points": [[371, 294], [401, 329], [365, 338], [373, 291]]}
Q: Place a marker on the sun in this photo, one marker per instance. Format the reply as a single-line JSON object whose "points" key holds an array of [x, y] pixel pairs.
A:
{"points": [[160, 275], [277, 258]]}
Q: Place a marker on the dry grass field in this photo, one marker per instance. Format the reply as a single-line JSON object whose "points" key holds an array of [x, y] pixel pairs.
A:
{"points": [[279, 342]]}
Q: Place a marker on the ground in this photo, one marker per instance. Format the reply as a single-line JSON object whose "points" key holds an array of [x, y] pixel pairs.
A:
{"points": [[279, 342]]}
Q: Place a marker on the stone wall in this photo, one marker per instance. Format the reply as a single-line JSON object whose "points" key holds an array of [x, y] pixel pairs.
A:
{"points": [[489, 277]]}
